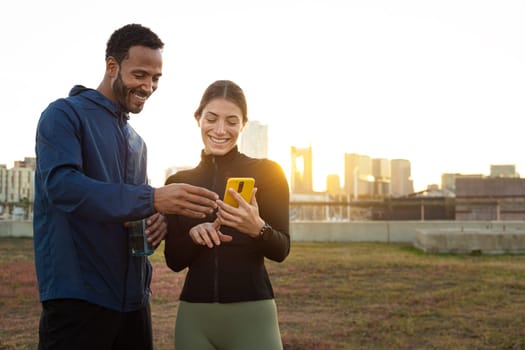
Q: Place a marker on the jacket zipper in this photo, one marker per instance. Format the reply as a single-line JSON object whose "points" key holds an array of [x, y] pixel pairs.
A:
{"points": [[215, 248], [122, 126]]}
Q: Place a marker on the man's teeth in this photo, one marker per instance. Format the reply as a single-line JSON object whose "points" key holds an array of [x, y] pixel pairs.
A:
{"points": [[140, 97]]}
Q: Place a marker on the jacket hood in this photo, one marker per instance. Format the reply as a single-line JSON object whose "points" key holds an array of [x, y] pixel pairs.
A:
{"points": [[77, 89], [99, 99]]}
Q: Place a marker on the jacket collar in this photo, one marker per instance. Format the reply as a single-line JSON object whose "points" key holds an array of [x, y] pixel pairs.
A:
{"points": [[101, 100], [211, 160]]}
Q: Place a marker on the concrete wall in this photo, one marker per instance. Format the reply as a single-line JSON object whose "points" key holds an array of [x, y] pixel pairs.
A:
{"points": [[388, 231], [353, 231], [16, 228]]}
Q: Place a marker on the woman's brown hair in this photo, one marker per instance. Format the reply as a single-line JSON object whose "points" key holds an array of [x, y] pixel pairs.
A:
{"points": [[229, 91]]}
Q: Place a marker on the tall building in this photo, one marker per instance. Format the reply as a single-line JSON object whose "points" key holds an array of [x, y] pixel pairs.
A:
{"points": [[3, 184], [17, 186], [333, 185], [301, 176], [28, 162], [448, 181], [401, 181], [21, 180], [254, 140], [381, 173], [358, 175], [20, 185]]}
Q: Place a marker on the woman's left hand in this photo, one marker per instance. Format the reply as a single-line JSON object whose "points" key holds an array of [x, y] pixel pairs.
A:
{"points": [[245, 218]]}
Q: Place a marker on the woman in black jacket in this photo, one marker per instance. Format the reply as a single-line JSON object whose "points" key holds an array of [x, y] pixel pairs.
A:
{"points": [[227, 301]]}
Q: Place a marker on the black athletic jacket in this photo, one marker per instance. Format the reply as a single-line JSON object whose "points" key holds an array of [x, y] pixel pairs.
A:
{"points": [[233, 271]]}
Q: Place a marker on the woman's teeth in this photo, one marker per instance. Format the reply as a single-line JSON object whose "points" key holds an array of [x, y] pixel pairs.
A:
{"points": [[218, 140]]}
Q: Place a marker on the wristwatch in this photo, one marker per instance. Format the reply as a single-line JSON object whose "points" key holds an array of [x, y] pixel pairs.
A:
{"points": [[265, 232]]}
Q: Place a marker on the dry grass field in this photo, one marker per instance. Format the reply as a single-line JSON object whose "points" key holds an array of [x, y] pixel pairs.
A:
{"points": [[333, 296]]}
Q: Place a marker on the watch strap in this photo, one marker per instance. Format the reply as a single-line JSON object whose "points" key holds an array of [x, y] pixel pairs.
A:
{"points": [[265, 232]]}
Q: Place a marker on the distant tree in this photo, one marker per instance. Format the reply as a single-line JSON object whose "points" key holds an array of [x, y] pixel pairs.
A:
{"points": [[25, 204]]}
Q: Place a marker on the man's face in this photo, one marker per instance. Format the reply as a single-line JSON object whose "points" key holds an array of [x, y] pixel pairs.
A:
{"points": [[137, 78]]}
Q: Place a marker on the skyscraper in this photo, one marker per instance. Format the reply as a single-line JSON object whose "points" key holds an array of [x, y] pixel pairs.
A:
{"points": [[401, 181], [381, 172], [358, 175], [448, 181], [3, 183], [17, 185], [301, 177], [333, 185], [254, 140]]}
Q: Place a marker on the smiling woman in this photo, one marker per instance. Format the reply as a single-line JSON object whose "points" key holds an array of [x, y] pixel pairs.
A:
{"points": [[227, 301]]}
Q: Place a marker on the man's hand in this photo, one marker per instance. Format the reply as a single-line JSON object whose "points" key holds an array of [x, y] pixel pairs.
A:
{"points": [[156, 229], [184, 199]]}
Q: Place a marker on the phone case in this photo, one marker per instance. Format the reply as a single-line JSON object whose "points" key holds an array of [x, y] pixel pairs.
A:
{"points": [[243, 185]]}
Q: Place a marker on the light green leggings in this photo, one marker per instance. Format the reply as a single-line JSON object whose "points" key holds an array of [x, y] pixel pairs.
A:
{"points": [[248, 325]]}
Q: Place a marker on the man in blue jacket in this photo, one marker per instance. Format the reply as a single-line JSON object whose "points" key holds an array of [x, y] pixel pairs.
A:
{"points": [[90, 180]]}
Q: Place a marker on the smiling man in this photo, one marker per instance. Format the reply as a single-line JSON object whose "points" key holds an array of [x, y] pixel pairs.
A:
{"points": [[90, 180]]}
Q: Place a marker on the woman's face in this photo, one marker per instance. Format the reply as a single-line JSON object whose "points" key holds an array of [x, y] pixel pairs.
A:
{"points": [[221, 125]]}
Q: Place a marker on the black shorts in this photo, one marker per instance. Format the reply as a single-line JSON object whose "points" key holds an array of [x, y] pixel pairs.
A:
{"points": [[76, 324]]}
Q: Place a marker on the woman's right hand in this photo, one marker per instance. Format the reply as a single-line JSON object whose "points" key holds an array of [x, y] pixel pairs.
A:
{"points": [[208, 234]]}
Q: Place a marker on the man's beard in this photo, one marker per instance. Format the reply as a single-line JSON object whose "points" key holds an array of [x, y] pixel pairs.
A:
{"points": [[120, 90]]}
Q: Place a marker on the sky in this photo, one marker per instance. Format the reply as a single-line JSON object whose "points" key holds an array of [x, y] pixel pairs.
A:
{"points": [[440, 83]]}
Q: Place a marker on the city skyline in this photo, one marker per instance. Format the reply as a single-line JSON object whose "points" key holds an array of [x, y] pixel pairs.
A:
{"points": [[437, 83], [493, 170]]}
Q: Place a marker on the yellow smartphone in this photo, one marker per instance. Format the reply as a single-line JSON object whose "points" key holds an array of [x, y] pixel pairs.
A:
{"points": [[243, 186]]}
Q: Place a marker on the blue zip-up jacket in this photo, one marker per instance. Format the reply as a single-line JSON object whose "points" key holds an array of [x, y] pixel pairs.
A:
{"points": [[90, 178]]}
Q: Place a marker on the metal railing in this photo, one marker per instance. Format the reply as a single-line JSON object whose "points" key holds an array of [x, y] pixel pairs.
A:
{"points": [[424, 209]]}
